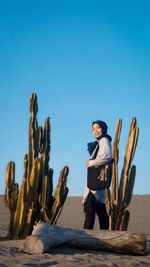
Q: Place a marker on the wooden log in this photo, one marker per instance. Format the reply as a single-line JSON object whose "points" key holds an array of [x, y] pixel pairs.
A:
{"points": [[45, 236]]}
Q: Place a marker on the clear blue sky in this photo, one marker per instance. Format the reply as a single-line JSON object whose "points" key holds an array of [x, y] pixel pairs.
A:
{"points": [[86, 60]]}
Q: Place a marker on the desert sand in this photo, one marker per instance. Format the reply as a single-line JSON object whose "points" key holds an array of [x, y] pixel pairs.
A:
{"points": [[72, 216]]}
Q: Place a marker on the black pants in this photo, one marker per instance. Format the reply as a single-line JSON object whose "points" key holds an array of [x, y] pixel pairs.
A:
{"points": [[92, 207]]}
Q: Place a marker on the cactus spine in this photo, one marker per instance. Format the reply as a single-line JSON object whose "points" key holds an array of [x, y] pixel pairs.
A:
{"points": [[35, 200], [118, 199]]}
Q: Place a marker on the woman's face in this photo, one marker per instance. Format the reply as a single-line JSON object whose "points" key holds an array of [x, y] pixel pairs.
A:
{"points": [[97, 131]]}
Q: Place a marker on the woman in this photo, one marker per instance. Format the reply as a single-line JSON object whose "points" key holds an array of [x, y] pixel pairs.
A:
{"points": [[94, 201]]}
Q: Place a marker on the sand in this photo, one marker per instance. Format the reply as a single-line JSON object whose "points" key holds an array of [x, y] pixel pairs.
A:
{"points": [[72, 216]]}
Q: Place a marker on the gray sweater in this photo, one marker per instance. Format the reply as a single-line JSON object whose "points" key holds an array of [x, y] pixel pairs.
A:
{"points": [[104, 155]]}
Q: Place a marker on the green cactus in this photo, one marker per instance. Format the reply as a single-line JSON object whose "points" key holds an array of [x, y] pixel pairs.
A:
{"points": [[35, 200], [118, 199]]}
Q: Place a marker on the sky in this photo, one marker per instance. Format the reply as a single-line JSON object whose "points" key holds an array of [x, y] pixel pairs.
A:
{"points": [[85, 60]]}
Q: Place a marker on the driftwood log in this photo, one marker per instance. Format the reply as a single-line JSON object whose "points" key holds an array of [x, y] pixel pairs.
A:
{"points": [[45, 236]]}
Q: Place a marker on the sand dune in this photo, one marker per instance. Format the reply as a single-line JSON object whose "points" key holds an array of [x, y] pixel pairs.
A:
{"points": [[72, 214], [12, 254]]}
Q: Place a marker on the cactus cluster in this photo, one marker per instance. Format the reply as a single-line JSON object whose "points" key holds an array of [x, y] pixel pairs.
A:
{"points": [[35, 200], [119, 197]]}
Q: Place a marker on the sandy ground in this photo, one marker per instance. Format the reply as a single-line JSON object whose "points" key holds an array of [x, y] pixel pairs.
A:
{"points": [[72, 216]]}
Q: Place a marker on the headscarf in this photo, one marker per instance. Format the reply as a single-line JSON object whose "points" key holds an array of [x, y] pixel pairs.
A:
{"points": [[104, 127]]}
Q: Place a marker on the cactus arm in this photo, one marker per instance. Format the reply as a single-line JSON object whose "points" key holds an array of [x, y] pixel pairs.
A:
{"points": [[44, 149], [129, 153], [26, 197], [31, 206], [129, 186], [10, 173], [59, 207], [45, 154], [11, 192], [33, 132], [40, 139], [60, 195], [47, 190], [108, 201], [20, 214], [108, 205], [115, 155], [125, 221], [135, 139], [131, 145], [112, 196], [26, 157]]}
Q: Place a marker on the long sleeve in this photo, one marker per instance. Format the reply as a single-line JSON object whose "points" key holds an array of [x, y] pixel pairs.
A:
{"points": [[104, 153]]}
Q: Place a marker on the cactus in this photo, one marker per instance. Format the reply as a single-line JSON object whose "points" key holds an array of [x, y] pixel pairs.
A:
{"points": [[118, 199], [35, 201]]}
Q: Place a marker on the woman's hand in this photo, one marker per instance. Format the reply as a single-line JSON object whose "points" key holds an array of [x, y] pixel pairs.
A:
{"points": [[87, 164]]}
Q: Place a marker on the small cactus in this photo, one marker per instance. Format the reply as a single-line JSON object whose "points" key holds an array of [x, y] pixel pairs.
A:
{"points": [[118, 199], [35, 200]]}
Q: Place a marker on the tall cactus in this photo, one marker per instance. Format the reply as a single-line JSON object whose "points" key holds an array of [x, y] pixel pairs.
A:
{"points": [[35, 200], [118, 199]]}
